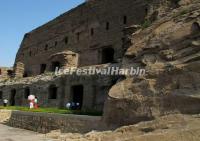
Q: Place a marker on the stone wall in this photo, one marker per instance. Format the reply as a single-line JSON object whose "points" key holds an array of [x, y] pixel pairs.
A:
{"points": [[5, 73], [44, 123], [94, 91], [19, 69]]}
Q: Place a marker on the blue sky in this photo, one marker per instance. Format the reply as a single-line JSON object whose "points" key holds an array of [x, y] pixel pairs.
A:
{"points": [[18, 17]]}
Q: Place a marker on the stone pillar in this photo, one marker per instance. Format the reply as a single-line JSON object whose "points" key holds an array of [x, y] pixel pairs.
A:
{"points": [[62, 93], [88, 97]]}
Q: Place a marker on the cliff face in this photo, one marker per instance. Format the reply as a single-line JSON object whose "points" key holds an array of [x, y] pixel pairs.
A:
{"points": [[169, 50]]}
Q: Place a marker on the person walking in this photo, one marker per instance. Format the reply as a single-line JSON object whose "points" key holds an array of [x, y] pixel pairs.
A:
{"points": [[5, 102], [31, 99], [36, 102], [78, 106], [31, 104], [68, 106]]}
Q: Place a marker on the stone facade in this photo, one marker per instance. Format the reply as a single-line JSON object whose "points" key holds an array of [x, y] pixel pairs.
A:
{"points": [[54, 91], [86, 35]]}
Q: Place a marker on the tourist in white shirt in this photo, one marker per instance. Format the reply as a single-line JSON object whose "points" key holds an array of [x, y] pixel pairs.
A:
{"points": [[5, 102]]}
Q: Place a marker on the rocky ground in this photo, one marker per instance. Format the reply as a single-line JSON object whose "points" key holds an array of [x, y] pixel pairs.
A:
{"points": [[167, 128]]}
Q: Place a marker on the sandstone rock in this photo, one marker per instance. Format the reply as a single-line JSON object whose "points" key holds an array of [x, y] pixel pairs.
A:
{"points": [[168, 128], [169, 51], [184, 2], [5, 115], [55, 134]]}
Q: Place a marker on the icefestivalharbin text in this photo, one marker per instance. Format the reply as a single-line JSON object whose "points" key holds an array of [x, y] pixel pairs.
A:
{"points": [[101, 71]]}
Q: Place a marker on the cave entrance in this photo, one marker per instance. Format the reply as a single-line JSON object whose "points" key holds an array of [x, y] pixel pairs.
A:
{"points": [[42, 68], [12, 97], [25, 74], [55, 65], [195, 27], [53, 92], [77, 95], [26, 92], [10, 73], [107, 55]]}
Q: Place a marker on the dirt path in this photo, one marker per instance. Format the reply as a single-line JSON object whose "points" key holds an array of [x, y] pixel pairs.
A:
{"points": [[14, 134]]}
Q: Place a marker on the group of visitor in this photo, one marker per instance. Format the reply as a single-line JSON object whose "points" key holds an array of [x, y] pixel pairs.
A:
{"points": [[73, 106], [33, 103]]}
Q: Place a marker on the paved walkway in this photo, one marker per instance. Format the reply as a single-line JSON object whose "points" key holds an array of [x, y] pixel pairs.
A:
{"points": [[14, 134]]}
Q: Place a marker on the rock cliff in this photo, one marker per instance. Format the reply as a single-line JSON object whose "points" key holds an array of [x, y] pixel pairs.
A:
{"points": [[169, 50]]}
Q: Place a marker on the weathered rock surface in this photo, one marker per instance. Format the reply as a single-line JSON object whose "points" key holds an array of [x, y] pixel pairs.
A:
{"points": [[168, 128], [169, 51]]}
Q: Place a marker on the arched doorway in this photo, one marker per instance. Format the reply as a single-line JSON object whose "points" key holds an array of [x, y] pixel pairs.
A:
{"points": [[55, 65], [42, 68], [53, 92], [12, 97], [107, 55], [195, 27], [1, 95], [26, 92], [77, 94]]}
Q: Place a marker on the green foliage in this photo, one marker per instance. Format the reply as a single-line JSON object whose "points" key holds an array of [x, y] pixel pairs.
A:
{"points": [[53, 110], [146, 24]]}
